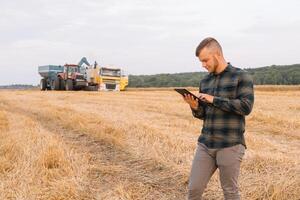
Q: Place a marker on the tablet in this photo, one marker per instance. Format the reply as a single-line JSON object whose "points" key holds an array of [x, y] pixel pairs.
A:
{"points": [[183, 92]]}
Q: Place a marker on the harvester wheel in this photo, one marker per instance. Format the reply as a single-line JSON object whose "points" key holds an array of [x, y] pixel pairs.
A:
{"points": [[69, 85], [43, 84]]}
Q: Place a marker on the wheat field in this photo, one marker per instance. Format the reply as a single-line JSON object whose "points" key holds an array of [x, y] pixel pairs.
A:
{"points": [[136, 145]]}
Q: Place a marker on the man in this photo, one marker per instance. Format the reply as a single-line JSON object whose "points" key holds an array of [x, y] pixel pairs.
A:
{"points": [[227, 93]]}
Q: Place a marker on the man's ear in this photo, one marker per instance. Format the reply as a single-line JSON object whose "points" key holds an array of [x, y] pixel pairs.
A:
{"points": [[218, 55]]}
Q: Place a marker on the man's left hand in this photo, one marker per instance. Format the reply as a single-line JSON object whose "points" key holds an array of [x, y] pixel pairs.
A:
{"points": [[206, 97]]}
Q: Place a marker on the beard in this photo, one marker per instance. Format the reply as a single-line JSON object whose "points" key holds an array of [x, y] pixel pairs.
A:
{"points": [[215, 64]]}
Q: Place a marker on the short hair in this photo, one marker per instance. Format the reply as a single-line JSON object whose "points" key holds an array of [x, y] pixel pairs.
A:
{"points": [[208, 43]]}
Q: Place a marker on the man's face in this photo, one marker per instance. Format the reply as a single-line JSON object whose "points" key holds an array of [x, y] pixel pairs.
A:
{"points": [[208, 60]]}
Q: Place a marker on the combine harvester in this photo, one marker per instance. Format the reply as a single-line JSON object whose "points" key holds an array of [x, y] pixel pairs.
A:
{"points": [[82, 76]]}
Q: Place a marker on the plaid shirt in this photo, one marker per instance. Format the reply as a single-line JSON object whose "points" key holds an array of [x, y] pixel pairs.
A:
{"points": [[224, 119]]}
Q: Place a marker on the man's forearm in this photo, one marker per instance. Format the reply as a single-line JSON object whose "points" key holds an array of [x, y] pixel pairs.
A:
{"points": [[244, 100], [241, 106]]}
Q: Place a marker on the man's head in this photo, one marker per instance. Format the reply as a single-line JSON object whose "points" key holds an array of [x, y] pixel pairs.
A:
{"points": [[210, 54]]}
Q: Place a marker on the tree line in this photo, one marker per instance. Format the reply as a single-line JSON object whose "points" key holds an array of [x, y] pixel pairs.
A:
{"points": [[18, 86], [270, 75]]}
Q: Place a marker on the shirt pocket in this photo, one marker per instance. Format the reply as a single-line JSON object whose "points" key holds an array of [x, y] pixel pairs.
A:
{"points": [[228, 90], [207, 90]]}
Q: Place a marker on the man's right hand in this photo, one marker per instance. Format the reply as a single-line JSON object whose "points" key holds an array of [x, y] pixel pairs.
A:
{"points": [[191, 101]]}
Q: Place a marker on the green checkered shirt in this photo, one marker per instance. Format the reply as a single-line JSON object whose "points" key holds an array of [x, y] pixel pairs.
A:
{"points": [[224, 119]]}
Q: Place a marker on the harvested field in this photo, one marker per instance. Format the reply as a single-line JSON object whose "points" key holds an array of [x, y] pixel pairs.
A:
{"points": [[136, 145]]}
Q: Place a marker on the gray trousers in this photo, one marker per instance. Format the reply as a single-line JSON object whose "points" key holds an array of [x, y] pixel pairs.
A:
{"points": [[205, 163]]}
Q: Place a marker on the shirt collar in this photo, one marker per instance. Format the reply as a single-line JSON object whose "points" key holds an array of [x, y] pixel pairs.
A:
{"points": [[227, 68]]}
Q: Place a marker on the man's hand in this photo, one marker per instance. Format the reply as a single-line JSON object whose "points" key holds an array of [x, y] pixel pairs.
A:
{"points": [[194, 102], [191, 101], [206, 97]]}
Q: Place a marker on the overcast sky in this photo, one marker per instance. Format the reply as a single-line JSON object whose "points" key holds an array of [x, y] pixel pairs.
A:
{"points": [[143, 37]]}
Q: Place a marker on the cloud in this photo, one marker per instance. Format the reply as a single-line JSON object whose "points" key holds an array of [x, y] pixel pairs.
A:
{"points": [[144, 37]]}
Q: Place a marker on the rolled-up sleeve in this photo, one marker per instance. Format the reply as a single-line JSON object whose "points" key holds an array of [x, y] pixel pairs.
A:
{"points": [[244, 100], [199, 113]]}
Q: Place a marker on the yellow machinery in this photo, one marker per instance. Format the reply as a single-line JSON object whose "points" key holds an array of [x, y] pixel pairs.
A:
{"points": [[106, 78]]}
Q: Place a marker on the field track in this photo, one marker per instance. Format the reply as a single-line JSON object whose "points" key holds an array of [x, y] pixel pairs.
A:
{"points": [[135, 145]]}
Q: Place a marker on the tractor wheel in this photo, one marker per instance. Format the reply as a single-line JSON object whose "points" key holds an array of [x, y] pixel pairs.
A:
{"points": [[69, 85], [43, 84], [55, 84], [62, 84]]}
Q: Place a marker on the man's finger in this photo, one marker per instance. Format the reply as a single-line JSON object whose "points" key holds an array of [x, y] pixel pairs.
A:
{"points": [[202, 96], [188, 96], [185, 97]]}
